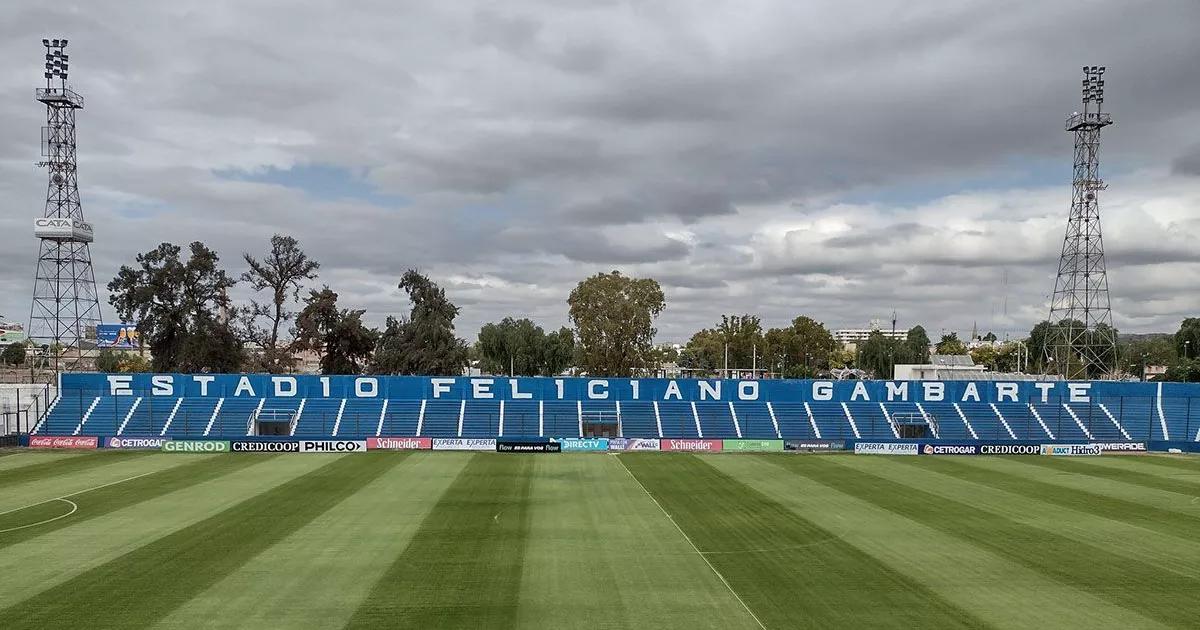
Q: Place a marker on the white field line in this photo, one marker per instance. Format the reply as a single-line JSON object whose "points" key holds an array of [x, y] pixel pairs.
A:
{"points": [[74, 508], [64, 498], [694, 547]]}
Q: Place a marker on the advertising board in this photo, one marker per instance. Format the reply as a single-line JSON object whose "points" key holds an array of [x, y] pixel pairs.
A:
{"points": [[886, 448], [400, 443], [583, 444], [247, 446], [1071, 450], [701, 445], [195, 446], [950, 449], [1001, 448], [463, 444], [333, 446], [117, 336], [528, 446], [813, 445], [151, 443], [1121, 447], [752, 446], [633, 444], [63, 441]]}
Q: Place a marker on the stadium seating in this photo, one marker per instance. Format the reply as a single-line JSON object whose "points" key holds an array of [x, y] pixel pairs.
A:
{"points": [[1107, 418]]}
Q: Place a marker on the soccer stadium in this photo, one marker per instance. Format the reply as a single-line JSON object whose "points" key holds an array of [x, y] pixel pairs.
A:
{"points": [[575, 315]]}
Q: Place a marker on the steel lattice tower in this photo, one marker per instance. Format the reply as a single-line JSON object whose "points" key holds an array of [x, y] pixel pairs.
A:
{"points": [[1082, 341], [65, 308]]}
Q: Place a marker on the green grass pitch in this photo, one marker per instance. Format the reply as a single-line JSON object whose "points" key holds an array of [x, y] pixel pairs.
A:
{"points": [[486, 540]]}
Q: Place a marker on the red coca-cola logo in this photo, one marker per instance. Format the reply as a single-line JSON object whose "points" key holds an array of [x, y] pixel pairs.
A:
{"points": [[707, 446], [63, 441], [400, 443]]}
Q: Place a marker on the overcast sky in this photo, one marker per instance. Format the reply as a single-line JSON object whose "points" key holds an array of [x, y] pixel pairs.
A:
{"points": [[833, 159]]}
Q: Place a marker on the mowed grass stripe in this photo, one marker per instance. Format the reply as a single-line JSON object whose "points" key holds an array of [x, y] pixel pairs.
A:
{"points": [[96, 503], [1146, 589], [316, 577], [140, 587], [595, 531], [462, 569], [1170, 550], [29, 457], [114, 468], [1002, 593], [1168, 522], [59, 467], [1187, 463], [1125, 474], [787, 569], [1164, 504], [32, 566]]}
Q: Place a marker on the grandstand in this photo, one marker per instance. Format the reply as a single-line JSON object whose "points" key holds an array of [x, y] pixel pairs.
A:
{"points": [[575, 408]]}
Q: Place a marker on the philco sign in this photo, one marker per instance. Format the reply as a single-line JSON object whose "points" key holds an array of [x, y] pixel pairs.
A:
{"points": [[63, 229]]}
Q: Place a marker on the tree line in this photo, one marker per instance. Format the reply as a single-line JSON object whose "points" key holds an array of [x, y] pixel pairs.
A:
{"points": [[179, 299]]}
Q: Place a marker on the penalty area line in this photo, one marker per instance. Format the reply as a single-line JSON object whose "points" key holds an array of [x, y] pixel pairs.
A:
{"points": [[694, 547]]}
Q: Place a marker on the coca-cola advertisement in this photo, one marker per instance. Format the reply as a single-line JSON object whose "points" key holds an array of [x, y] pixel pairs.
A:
{"points": [[399, 443], [702, 445], [63, 441]]}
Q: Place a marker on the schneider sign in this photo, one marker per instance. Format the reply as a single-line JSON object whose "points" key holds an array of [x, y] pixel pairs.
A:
{"points": [[63, 229]]}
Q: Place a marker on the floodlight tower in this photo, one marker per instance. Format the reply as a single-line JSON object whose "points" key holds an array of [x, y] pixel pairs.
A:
{"points": [[1082, 341], [65, 308]]}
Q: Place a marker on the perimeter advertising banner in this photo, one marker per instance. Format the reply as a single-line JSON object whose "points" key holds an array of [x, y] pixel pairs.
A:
{"points": [[700, 445], [813, 445], [752, 446], [528, 446], [66, 441], [583, 444], [152, 443], [633, 444], [463, 444], [195, 446], [1072, 450], [886, 448], [400, 443]]}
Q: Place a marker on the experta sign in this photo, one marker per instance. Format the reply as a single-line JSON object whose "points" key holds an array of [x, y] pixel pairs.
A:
{"points": [[136, 443], [583, 444], [400, 443], [463, 444], [700, 445], [752, 446], [488, 388], [67, 441], [885, 448], [195, 446], [1071, 450]]}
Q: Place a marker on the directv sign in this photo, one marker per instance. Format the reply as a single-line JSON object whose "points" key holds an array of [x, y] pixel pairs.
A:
{"points": [[63, 229], [488, 388]]}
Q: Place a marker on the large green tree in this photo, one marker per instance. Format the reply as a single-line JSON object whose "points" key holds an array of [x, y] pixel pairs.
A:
{"points": [[879, 354], [14, 354], [801, 350], [424, 342], [916, 346], [1187, 339], [739, 335], [281, 273], [522, 347], [181, 307], [614, 322], [337, 335], [951, 344]]}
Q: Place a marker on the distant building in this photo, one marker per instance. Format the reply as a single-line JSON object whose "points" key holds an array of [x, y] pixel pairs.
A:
{"points": [[851, 337], [958, 367]]}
